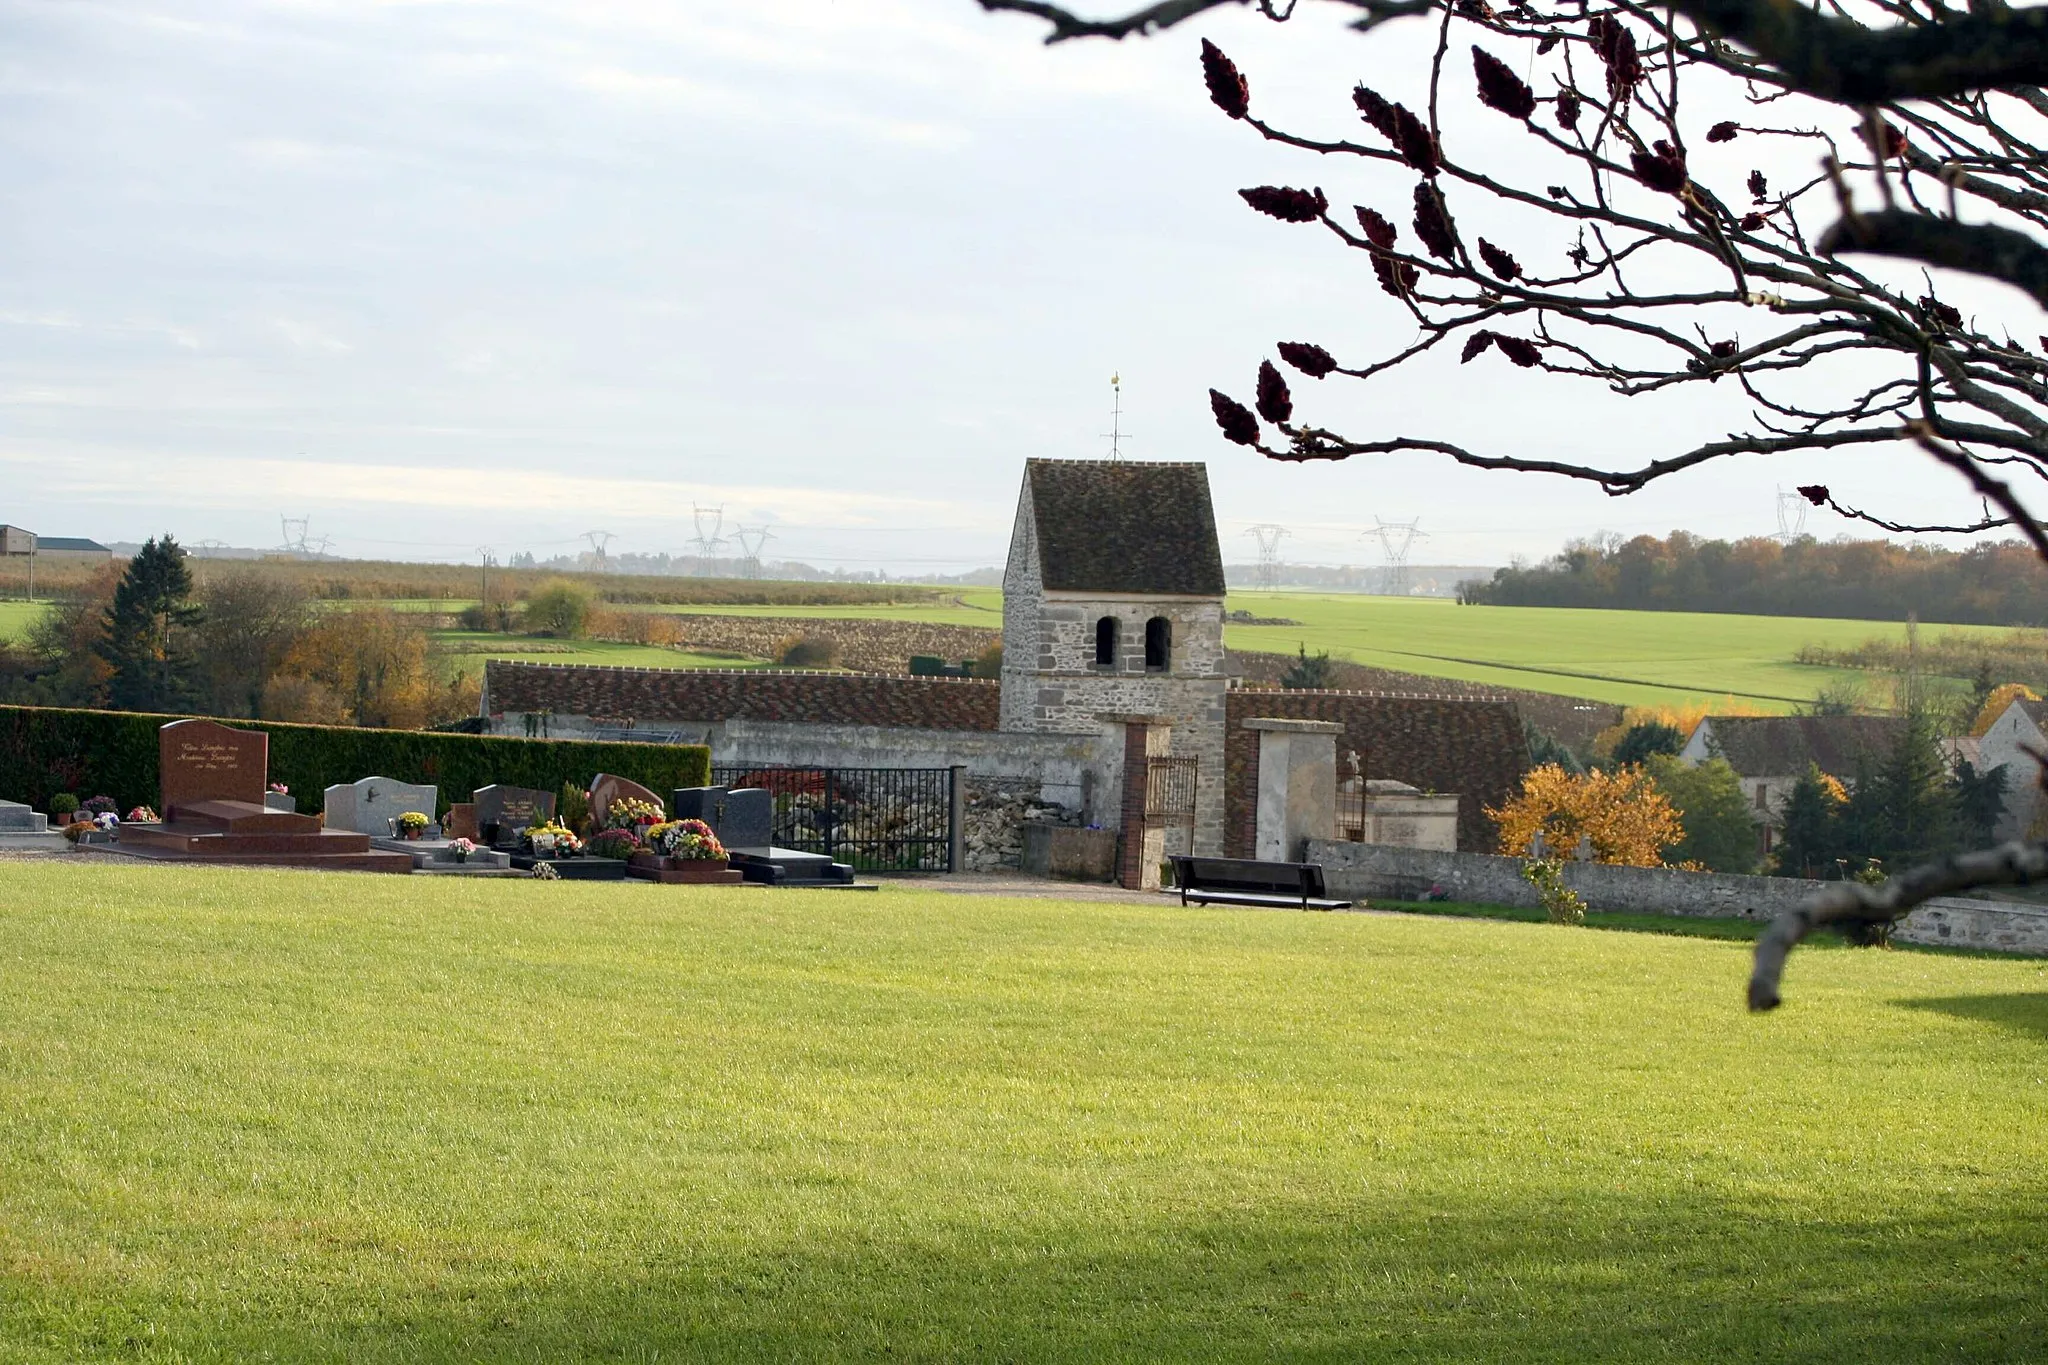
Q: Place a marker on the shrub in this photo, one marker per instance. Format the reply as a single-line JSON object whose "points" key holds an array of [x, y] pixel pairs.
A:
{"points": [[1561, 904], [989, 663], [572, 806], [808, 651], [63, 803], [1720, 831], [558, 608], [495, 617]]}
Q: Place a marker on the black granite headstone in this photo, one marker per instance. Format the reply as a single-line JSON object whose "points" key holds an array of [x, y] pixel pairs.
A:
{"points": [[502, 812], [749, 818], [698, 803]]}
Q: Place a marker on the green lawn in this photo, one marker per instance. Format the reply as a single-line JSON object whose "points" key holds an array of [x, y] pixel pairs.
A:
{"points": [[299, 1117]]}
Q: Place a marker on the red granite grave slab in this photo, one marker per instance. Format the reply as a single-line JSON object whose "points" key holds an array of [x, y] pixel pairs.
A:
{"points": [[239, 817]]}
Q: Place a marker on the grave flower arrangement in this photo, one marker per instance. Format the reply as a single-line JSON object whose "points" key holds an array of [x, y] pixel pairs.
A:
{"points": [[621, 844], [142, 815], [101, 805], [626, 813], [280, 789], [460, 849], [690, 840], [412, 824], [551, 838]]}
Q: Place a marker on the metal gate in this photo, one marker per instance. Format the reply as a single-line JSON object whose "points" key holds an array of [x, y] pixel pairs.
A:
{"points": [[1170, 800], [877, 819]]}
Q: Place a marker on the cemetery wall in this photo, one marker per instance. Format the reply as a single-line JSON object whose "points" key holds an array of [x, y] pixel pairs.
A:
{"points": [[579, 693], [1361, 871], [1473, 748], [47, 750]]}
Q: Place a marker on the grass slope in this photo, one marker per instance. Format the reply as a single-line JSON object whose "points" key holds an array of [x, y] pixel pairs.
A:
{"points": [[277, 1115]]}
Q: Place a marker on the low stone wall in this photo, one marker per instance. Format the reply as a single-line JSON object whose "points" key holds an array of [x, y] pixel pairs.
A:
{"points": [[1362, 871]]}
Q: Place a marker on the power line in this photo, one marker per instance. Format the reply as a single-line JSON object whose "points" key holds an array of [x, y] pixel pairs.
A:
{"points": [[1269, 537], [1396, 539]]}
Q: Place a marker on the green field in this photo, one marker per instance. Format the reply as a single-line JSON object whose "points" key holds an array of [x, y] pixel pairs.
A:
{"points": [[17, 617], [288, 1116], [1636, 658], [1674, 659]]}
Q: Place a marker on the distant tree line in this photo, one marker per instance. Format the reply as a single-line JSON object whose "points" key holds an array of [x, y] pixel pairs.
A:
{"points": [[2003, 583], [142, 636]]}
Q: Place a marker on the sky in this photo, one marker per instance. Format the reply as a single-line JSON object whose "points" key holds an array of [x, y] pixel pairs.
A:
{"points": [[445, 276]]}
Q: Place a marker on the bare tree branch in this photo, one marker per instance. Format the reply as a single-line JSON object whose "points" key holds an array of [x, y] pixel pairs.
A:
{"points": [[2006, 865], [1985, 249]]}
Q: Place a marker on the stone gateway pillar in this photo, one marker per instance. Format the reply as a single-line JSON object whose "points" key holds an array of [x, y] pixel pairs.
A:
{"points": [[1141, 841], [1297, 785]]}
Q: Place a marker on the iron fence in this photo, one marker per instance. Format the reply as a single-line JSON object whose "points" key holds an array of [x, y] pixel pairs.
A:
{"points": [[877, 819]]}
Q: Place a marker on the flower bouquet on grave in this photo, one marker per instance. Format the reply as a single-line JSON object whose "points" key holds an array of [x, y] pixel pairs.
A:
{"points": [[412, 824], [280, 789], [143, 815], [683, 851], [621, 844], [550, 840], [101, 805], [629, 814], [460, 849]]}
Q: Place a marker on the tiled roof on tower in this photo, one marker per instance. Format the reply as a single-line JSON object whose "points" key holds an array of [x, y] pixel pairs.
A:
{"points": [[1125, 527]]}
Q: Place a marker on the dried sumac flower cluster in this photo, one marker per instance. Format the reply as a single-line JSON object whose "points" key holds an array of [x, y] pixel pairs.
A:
{"points": [[1311, 359], [1398, 125], [1661, 169], [1723, 131], [1396, 277], [1433, 222], [1568, 108], [1521, 350], [1617, 49], [1276, 404], [1500, 88], [1234, 418], [1499, 262], [1227, 85], [1288, 205]]}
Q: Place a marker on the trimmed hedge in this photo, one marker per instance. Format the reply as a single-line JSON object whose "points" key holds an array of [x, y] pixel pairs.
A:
{"points": [[46, 750]]}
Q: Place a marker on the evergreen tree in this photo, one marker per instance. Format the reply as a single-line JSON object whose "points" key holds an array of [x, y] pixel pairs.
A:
{"points": [[147, 647], [1920, 820], [1548, 749], [1812, 837], [1861, 826], [1640, 741], [1309, 672], [1980, 800]]}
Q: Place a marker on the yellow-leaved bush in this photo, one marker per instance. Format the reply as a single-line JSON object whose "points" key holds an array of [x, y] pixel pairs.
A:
{"points": [[1622, 813]]}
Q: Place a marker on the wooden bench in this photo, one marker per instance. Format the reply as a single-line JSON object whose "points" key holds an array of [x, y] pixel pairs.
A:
{"points": [[1245, 881]]}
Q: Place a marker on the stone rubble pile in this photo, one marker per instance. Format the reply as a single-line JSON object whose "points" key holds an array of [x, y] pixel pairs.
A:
{"points": [[995, 820]]}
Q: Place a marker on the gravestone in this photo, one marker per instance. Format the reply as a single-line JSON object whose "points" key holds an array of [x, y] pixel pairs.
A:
{"points": [[214, 781], [16, 818], [201, 760], [605, 789], [502, 812], [749, 819], [369, 806], [698, 803]]}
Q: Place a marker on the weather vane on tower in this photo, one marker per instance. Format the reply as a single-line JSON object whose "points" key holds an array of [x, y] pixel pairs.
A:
{"points": [[1116, 432]]}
